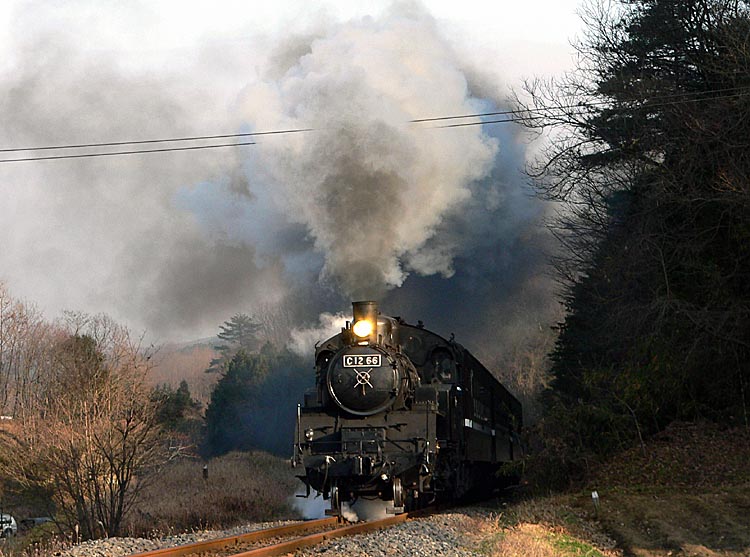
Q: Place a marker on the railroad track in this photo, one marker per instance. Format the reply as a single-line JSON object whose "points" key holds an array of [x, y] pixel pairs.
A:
{"points": [[278, 541]]}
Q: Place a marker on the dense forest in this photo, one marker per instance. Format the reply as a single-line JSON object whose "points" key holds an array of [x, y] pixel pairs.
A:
{"points": [[649, 163]]}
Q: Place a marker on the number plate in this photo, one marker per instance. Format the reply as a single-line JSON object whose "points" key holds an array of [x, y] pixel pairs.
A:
{"points": [[361, 360]]}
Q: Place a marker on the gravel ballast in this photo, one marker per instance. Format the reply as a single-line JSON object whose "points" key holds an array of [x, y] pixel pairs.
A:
{"points": [[440, 535], [119, 547]]}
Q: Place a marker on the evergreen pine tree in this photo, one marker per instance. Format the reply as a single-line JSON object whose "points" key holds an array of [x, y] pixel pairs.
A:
{"points": [[239, 333], [232, 401]]}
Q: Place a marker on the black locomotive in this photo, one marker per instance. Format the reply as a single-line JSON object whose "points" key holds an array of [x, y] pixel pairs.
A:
{"points": [[401, 414]]}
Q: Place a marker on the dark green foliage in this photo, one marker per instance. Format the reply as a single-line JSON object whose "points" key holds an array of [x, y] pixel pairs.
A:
{"points": [[253, 404], [239, 333], [656, 177], [233, 397], [175, 408]]}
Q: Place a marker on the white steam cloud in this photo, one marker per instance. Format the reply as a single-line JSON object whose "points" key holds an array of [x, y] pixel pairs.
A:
{"points": [[302, 341]]}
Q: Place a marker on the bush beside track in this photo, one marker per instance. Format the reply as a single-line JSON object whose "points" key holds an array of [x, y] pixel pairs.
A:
{"points": [[241, 487]]}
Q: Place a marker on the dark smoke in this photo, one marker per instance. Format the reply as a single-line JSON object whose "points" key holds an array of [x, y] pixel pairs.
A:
{"points": [[501, 287], [370, 189]]}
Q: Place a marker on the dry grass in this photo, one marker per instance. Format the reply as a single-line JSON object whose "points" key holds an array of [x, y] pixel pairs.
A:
{"points": [[525, 540], [678, 522], [41, 541], [544, 527], [241, 487], [534, 540]]}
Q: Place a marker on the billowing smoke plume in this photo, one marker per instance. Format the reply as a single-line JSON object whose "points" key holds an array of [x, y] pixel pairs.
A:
{"points": [[434, 223], [113, 234], [370, 188]]}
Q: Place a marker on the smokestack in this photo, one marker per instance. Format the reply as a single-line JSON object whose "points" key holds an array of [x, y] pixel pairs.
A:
{"points": [[365, 325], [365, 310]]}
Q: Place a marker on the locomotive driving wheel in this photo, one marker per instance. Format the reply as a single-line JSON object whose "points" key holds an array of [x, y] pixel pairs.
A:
{"points": [[335, 501], [398, 493]]}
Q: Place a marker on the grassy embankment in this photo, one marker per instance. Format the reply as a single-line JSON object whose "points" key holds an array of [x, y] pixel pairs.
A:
{"points": [[686, 494]]}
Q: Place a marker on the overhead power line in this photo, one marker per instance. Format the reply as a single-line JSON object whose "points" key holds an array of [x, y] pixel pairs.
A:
{"points": [[521, 111], [567, 110], [134, 152], [515, 115], [147, 141]]}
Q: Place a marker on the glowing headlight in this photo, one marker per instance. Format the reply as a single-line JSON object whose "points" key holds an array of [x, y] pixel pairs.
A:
{"points": [[309, 434], [362, 328]]}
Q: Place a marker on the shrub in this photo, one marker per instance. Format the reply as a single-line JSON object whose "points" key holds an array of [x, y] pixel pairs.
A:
{"points": [[241, 487]]}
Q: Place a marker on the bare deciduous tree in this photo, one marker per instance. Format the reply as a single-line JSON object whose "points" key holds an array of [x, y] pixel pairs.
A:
{"points": [[86, 435], [23, 337]]}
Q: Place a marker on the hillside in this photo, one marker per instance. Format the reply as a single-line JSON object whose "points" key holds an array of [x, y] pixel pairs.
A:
{"points": [[685, 493]]}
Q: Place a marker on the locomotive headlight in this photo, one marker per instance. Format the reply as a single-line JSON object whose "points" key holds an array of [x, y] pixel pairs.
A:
{"points": [[309, 433], [362, 328]]}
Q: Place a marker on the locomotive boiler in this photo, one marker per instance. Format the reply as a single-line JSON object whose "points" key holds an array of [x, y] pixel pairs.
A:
{"points": [[401, 414]]}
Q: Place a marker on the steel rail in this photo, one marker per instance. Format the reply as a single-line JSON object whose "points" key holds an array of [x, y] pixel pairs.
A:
{"points": [[249, 537], [314, 539], [283, 547]]}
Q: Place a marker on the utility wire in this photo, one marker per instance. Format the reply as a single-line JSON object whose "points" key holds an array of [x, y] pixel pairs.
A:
{"points": [[516, 115], [521, 111], [147, 141], [135, 152]]}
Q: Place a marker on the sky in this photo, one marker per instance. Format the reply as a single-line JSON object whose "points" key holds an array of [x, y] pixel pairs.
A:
{"points": [[517, 38], [366, 206]]}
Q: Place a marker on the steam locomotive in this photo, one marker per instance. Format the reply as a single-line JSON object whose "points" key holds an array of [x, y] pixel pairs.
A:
{"points": [[403, 415]]}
